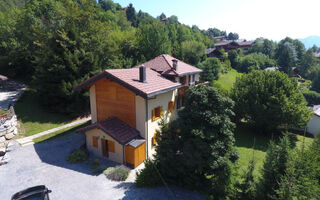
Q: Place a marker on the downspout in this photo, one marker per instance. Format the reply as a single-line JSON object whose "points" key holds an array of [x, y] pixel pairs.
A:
{"points": [[123, 156], [147, 127]]}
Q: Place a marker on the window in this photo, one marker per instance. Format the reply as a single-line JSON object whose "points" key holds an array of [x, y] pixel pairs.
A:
{"points": [[183, 80], [95, 141], [111, 146], [170, 106], [156, 113], [154, 139]]}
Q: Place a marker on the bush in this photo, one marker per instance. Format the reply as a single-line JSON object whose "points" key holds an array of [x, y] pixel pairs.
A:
{"points": [[119, 173], [274, 167], [148, 176], [312, 97], [96, 168], [77, 156]]}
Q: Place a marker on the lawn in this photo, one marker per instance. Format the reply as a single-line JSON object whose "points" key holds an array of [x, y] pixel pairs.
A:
{"points": [[60, 133], [33, 118], [250, 144], [227, 80]]}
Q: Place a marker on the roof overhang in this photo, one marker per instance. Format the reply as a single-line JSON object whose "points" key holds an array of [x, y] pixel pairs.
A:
{"points": [[86, 84]]}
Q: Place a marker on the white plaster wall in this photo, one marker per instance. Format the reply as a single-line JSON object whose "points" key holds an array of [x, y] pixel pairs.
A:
{"points": [[313, 125], [197, 77], [141, 115], [93, 104], [160, 100], [117, 156]]}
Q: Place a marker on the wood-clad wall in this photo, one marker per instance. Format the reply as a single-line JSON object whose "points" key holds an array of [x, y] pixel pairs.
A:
{"points": [[114, 100], [135, 156]]}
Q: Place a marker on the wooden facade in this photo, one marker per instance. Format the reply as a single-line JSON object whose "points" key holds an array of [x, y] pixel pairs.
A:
{"points": [[135, 156], [114, 100]]}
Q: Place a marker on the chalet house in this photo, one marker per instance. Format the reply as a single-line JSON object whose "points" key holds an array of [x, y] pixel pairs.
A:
{"points": [[127, 104], [234, 44], [220, 38]]}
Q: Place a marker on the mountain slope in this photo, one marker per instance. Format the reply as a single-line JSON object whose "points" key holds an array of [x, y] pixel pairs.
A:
{"points": [[310, 41]]}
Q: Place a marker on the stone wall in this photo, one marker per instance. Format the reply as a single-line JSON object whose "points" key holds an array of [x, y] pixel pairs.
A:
{"points": [[8, 129]]}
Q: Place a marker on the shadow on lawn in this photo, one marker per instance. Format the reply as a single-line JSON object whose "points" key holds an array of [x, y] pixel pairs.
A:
{"points": [[246, 137], [174, 193], [55, 151], [28, 109]]}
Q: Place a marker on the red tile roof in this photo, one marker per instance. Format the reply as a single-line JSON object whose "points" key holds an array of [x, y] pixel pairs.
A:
{"points": [[163, 65], [155, 84], [117, 129]]}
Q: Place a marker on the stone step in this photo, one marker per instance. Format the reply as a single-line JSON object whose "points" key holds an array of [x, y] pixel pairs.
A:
{"points": [[27, 143]]}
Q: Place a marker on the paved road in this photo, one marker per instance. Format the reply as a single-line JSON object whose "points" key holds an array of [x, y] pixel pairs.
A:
{"points": [[10, 91], [44, 163]]}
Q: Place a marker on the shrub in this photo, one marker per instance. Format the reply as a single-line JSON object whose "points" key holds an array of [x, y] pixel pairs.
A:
{"points": [[274, 167], [77, 156], [148, 176], [96, 168], [312, 97], [119, 173], [245, 189]]}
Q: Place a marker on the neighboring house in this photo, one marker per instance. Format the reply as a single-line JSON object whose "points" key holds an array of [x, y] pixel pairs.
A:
{"points": [[220, 38], [271, 69], [213, 52], [317, 55], [127, 104], [234, 44], [313, 125]]}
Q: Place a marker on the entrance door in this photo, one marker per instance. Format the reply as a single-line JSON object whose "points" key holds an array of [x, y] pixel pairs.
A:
{"points": [[105, 149]]}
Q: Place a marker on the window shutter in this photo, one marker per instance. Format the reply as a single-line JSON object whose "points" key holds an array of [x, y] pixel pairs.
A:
{"points": [[153, 115], [171, 106], [161, 111], [154, 141], [95, 141], [111, 146]]}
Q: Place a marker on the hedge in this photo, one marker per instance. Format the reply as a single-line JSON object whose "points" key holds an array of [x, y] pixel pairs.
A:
{"points": [[312, 97]]}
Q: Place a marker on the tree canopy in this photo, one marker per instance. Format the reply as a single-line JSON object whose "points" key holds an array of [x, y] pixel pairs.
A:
{"points": [[269, 99], [195, 150]]}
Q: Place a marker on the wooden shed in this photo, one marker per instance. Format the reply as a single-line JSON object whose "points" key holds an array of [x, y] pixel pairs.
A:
{"points": [[135, 153]]}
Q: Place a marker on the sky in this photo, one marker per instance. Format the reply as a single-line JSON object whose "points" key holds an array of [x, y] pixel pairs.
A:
{"points": [[272, 19]]}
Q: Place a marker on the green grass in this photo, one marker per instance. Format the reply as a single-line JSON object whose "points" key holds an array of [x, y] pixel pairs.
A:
{"points": [[250, 144], [227, 80], [60, 133], [33, 118]]}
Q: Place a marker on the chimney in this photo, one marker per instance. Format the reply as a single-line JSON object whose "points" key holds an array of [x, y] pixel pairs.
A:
{"points": [[175, 64], [142, 74]]}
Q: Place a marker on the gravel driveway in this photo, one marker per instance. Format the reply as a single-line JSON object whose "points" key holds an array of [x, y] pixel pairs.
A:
{"points": [[44, 163], [10, 91]]}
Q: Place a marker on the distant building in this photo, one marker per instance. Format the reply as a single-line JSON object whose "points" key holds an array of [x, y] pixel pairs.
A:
{"points": [[220, 38], [313, 125], [317, 55], [271, 69], [212, 52], [234, 44]]}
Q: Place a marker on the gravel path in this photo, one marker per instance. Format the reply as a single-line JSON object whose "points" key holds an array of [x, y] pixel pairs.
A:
{"points": [[44, 163], [10, 91]]}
